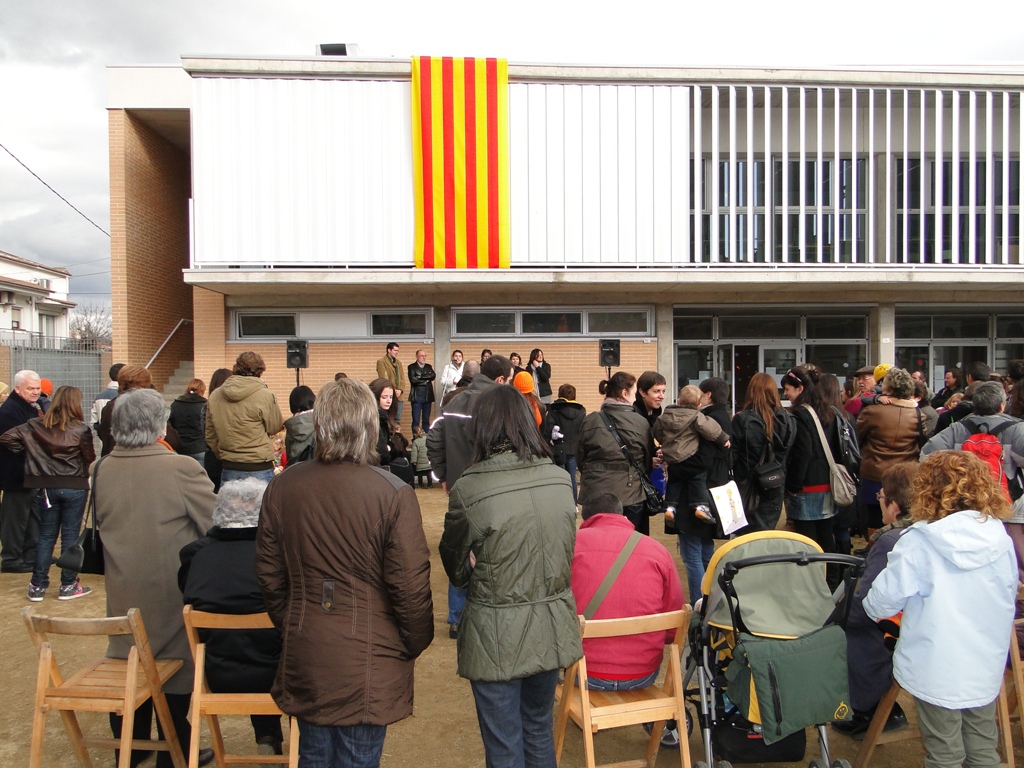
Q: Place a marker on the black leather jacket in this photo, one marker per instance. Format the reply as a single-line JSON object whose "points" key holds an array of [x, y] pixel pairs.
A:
{"points": [[54, 458], [421, 389]]}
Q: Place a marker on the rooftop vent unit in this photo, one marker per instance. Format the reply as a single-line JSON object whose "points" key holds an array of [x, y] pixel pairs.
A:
{"points": [[337, 49]]}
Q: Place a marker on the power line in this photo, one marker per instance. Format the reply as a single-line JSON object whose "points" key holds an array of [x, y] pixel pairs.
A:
{"points": [[90, 274], [80, 263], [58, 194]]}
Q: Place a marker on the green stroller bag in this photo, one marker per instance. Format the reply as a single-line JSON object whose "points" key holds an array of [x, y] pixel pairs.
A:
{"points": [[786, 685]]}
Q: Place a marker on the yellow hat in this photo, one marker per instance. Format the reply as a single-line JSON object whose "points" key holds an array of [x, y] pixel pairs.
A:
{"points": [[880, 370]]}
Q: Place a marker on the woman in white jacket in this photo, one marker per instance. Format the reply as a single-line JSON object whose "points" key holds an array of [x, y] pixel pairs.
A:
{"points": [[953, 574]]}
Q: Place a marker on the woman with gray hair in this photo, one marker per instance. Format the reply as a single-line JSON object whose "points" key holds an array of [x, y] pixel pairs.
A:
{"points": [[345, 570], [150, 502], [218, 575]]}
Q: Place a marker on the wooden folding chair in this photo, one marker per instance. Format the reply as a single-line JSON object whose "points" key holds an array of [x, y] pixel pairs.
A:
{"points": [[211, 706], [874, 735], [595, 711], [104, 685]]}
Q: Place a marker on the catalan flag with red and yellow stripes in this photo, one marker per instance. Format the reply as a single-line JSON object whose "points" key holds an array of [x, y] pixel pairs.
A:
{"points": [[460, 154]]}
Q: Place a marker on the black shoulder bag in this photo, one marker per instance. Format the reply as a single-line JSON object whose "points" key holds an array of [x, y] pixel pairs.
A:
{"points": [[654, 502]]}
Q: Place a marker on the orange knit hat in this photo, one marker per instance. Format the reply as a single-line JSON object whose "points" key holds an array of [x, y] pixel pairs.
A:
{"points": [[47, 386], [523, 382]]}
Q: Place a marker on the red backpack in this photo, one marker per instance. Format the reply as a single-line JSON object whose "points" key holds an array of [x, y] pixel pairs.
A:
{"points": [[985, 444]]}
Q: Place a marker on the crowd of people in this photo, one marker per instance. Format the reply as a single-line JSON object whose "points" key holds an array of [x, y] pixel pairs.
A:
{"points": [[315, 519]]}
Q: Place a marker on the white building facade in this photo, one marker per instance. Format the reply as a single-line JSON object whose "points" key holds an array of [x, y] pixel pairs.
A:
{"points": [[714, 221]]}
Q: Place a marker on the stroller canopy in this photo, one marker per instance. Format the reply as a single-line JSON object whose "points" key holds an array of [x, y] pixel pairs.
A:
{"points": [[778, 600]]}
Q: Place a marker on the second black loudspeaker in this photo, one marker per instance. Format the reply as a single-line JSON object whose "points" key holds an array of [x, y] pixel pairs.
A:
{"points": [[609, 353], [297, 351]]}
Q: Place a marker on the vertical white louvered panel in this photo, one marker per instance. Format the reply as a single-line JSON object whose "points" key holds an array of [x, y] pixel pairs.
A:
{"points": [[518, 172], [663, 163], [715, 197], [954, 159], [573, 249], [591, 193], [938, 178], [1004, 255], [309, 172], [838, 175], [681, 154], [537, 186], [557, 183]]}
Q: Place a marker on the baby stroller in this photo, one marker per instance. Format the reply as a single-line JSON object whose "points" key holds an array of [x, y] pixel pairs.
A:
{"points": [[768, 650]]}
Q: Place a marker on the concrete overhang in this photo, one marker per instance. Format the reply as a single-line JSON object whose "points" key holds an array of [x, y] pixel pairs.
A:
{"points": [[705, 285], [159, 96]]}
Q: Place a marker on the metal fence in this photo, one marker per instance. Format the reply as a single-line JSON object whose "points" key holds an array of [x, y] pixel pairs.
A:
{"points": [[64, 361]]}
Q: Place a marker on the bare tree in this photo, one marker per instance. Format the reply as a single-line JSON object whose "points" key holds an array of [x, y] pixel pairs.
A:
{"points": [[91, 326]]}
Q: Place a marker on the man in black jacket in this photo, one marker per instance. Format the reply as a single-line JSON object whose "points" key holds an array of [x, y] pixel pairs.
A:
{"points": [[19, 508], [421, 389]]}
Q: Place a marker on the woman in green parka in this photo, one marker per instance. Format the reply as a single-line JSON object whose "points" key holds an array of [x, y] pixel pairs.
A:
{"points": [[508, 537]]}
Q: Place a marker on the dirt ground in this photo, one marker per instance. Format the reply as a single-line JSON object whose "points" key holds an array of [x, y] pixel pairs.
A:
{"points": [[442, 731]]}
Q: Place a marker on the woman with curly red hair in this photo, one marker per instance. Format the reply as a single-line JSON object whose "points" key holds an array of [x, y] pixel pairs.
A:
{"points": [[953, 574]]}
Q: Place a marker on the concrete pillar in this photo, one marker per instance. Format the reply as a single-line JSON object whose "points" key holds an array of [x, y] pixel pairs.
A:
{"points": [[882, 330], [442, 345], [663, 331]]}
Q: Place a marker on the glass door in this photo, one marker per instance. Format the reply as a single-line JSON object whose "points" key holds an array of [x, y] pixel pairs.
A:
{"points": [[694, 363], [776, 361], [726, 366], [954, 356]]}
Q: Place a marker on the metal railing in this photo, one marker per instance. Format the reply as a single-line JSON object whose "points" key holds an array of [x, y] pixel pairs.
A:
{"points": [[170, 335]]}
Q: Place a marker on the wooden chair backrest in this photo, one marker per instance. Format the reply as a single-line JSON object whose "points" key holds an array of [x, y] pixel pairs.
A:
{"points": [[196, 620], [638, 625], [41, 627]]}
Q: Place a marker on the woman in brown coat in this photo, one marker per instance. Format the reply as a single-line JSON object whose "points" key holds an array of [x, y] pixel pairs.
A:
{"points": [[150, 502], [888, 433], [345, 571]]}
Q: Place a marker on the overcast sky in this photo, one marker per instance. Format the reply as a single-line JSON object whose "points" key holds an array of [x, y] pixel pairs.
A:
{"points": [[54, 54]]}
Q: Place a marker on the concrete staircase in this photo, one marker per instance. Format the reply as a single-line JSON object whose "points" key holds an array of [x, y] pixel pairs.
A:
{"points": [[175, 386]]}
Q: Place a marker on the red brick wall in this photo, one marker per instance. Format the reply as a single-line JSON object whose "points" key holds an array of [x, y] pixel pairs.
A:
{"points": [[574, 362], [149, 192]]}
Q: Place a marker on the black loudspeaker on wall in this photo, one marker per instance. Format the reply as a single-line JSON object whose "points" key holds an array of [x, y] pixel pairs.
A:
{"points": [[609, 353], [298, 353]]}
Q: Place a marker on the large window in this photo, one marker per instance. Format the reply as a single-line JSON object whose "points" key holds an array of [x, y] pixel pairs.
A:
{"points": [[915, 224], [843, 219], [256, 325], [553, 322], [332, 324], [749, 197]]}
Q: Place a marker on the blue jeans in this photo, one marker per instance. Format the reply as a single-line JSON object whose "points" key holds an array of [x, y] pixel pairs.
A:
{"points": [[240, 474], [63, 513], [456, 602], [570, 467], [340, 746], [516, 720], [600, 684], [420, 415], [696, 553]]}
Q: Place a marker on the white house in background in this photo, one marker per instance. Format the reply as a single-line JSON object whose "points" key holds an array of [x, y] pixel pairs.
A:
{"points": [[33, 299]]}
